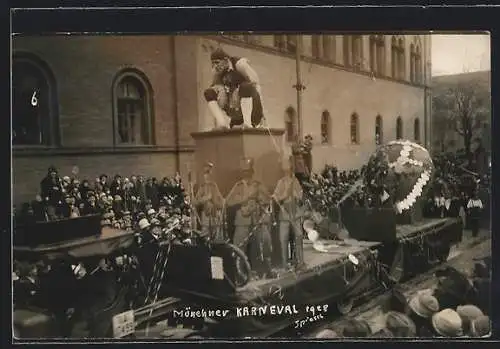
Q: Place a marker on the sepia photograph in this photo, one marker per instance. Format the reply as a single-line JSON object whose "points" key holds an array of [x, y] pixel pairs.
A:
{"points": [[248, 185]]}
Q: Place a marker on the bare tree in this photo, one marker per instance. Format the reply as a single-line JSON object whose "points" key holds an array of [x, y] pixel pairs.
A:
{"points": [[464, 108]]}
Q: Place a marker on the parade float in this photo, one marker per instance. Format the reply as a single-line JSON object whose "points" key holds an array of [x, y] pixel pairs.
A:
{"points": [[120, 283]]}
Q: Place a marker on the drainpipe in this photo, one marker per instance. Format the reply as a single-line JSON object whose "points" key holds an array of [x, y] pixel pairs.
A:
{"points": [[176, 108]]}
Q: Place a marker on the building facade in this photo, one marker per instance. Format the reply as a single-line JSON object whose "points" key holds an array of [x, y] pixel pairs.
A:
{"points": [[128, 104]]}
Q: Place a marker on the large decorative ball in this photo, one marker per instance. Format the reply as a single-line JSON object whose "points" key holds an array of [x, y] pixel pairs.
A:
{"points": [[400, 170]]}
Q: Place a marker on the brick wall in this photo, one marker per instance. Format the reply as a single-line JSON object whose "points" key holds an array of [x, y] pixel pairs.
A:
{"points": [[84, 68]]}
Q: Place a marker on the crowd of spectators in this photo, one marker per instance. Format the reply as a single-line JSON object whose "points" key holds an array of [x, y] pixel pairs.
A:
{"points": [[454, 190], [121, 201], [124, 201], [458, 306]]}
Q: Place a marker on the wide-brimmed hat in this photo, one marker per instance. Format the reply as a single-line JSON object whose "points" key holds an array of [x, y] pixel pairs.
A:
{"points": [[144, 223], [356, 328], [400, 325], [481, 326], [424, 304], [326, 333], [468, 313], [447, 323]]}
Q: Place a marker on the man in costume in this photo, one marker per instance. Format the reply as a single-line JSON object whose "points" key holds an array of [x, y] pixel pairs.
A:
{"points": [[288, 194], [234, 98], [250, 199], [209, 202]]}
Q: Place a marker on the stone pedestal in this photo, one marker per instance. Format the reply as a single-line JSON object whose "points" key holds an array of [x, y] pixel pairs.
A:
{"points": [[226, 148]]}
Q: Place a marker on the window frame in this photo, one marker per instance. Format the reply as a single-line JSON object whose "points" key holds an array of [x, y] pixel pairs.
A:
{"points": [[416, 130], [148, 107], [325, 125], [354, 124], [399, 128], [52, 126]]}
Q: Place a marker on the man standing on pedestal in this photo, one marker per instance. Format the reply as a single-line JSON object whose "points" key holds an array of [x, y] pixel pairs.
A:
{"points": [[234, 98], [288, 194], [251, 200], [209, 202]]}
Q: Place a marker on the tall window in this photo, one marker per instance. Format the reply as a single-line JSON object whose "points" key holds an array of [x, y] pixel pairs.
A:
{"points": [[418, 65], [373, 53], [133, 110], [290, 124], [328, 47], [401, 59], [379, 128], [34, 120], [357, 51], [315, 46], [416, 130], [346, 43], [323, 47], [398, 58], [394, 57], [354, 128], [381, 55], [399, 128], [415, 62], [325, 127], [412, 63]]}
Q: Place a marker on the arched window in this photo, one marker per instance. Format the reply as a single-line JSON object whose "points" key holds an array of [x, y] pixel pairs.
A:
{"points": [[379, 130], [325, 127], [412, 63], [401, 59], [418, 65], [398, 58], [354, 128], [133, 109], [416, 130], [399, 128], [34, 103], [394, 58], [290, 124]]}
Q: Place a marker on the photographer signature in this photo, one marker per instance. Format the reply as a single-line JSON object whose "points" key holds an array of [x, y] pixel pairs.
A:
{"points": [[308, 320]]}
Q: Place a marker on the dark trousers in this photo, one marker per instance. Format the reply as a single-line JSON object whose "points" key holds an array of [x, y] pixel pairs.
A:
{"points": [[474, 225], [247, 90]]}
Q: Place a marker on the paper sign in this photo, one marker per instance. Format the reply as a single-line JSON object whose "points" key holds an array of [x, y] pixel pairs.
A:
{"points": [[123, 324], [217, 268]]}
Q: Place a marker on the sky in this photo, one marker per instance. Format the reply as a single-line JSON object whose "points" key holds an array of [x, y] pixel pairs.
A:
{"points": [[459, 53]]}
